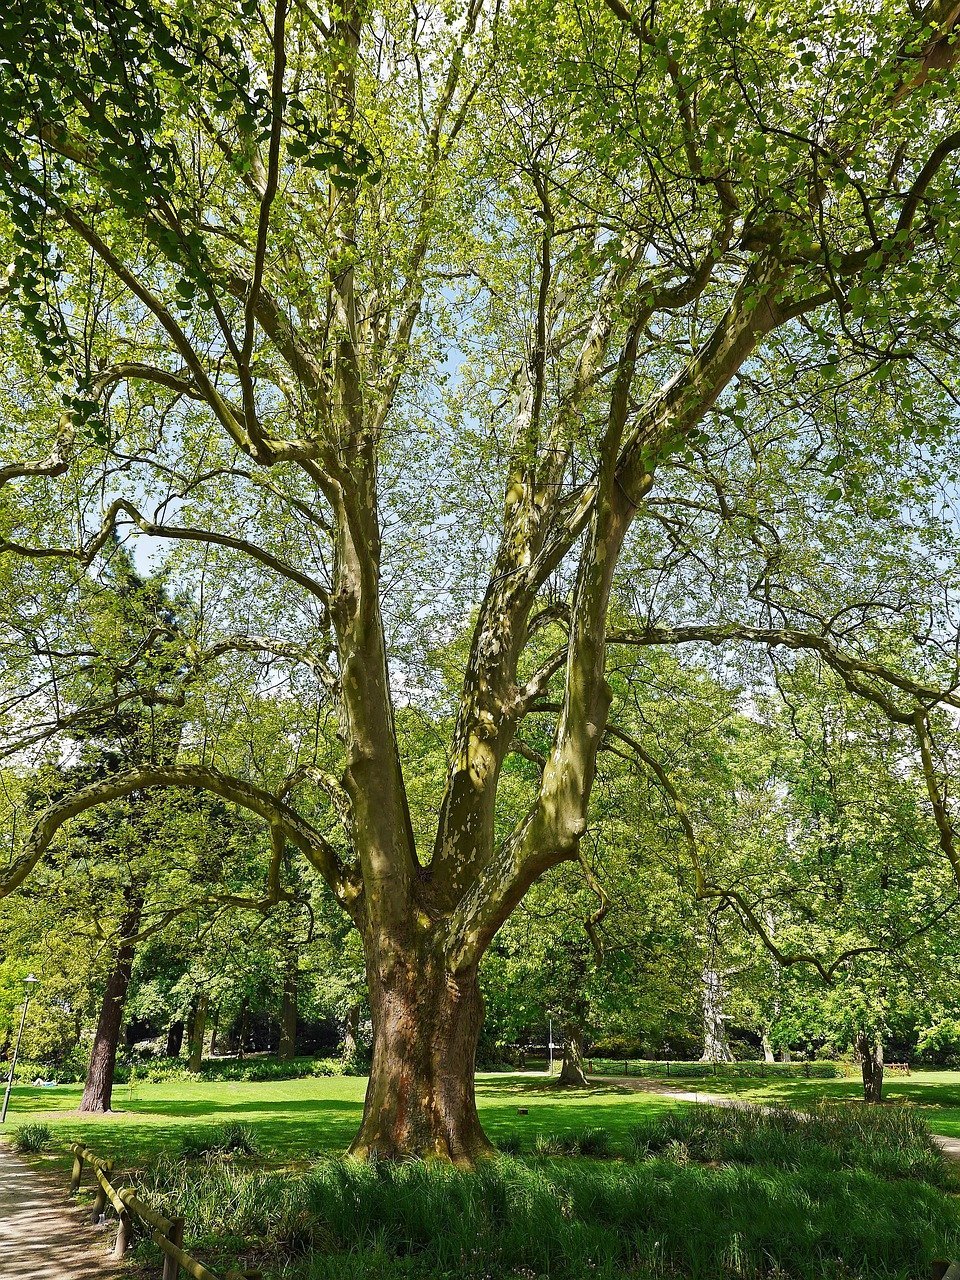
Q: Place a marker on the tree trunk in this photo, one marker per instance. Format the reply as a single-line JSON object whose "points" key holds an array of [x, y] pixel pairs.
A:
{"points": [[98, 1090], [288, 1010], [420, 1096], [715, 1046], [214, 1031], [175, 1038], [197, 1032], [870, 1051], [242, 1033], [350, 1031], [572, 1072]]}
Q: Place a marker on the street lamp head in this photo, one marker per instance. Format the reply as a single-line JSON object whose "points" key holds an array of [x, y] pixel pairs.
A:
{"points": [[30, 981]]}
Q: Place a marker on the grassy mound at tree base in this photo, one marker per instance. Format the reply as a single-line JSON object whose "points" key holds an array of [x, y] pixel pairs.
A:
{"points": [[705, 1193]]}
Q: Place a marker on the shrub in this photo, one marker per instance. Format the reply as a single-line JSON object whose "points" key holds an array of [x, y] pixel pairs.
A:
{"points": [[31, 1137]]}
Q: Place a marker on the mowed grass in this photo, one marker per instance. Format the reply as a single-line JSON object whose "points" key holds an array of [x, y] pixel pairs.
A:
{"points": [[299, 1119]]}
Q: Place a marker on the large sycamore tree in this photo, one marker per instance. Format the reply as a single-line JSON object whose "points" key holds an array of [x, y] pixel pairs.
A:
{"points": [[386, 321]]}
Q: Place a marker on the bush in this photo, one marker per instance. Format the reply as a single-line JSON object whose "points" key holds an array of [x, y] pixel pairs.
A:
{"points": [[64, 1071], [158, 1071], [617, 1047], [31, 1137]]}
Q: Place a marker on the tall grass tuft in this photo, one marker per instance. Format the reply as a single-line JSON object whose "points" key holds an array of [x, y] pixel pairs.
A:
{"points": [[232, 1138], [31, 1137], [891, 1142]]}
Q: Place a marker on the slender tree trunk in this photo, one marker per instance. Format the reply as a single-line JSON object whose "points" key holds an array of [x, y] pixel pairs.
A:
{"points": [[786, 1055], [288, 1009], [571, 1071], [715, 1045], [350, 1046], [420, 1096], [98, 1090], [175, 1038], [214, 1029], [242, 1033], [198, 1031], [870, 1051]]}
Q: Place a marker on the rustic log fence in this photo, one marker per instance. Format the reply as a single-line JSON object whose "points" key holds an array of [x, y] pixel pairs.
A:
{"points": [[134, 1214]]}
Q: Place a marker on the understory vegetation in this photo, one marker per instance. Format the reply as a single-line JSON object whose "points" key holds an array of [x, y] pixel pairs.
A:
{"points": [[696, 1192], [30, 1138]]}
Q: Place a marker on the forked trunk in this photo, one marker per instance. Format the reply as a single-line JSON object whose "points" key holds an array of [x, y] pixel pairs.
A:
{"points": [[98, 1090], [870, 1051], [420, 1097], [572, 1072]]}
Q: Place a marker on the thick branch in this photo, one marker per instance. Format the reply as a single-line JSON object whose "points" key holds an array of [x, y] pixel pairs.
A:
{"points": [[235, 790]]}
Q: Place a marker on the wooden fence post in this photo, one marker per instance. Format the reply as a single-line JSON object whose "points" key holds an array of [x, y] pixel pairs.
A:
{"points": [[171, 1267], [125, 1234], [77, 1167], [100, 1203]]}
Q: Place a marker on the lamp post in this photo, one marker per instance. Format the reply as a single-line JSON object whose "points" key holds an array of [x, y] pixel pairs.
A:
{"points": [[28, 982]]}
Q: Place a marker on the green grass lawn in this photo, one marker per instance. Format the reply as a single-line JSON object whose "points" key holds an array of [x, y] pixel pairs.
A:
{"points": [[690, 1193], [301, 1118]]}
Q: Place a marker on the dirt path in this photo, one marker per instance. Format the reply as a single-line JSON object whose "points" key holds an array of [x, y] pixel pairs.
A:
{"points": [[41, 1236], [949, 1146]]}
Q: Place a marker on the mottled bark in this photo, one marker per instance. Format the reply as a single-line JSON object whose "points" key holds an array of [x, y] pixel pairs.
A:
{"points": [[420, 1097], [870, 1053], [571, 1070], [716, 1047], [98, 1090], [350, 1031]]}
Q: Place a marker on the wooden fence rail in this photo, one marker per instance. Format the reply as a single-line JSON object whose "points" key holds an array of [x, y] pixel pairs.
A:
{"points": [[133, 1213]]}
